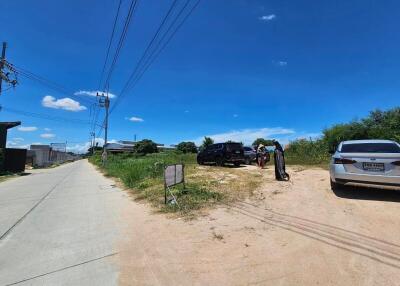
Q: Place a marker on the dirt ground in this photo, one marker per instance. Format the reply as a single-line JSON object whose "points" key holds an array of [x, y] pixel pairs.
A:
{"points": [[288, 233]]}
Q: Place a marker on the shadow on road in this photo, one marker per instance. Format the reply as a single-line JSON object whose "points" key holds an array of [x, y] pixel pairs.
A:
{"points": [[367, 193]]}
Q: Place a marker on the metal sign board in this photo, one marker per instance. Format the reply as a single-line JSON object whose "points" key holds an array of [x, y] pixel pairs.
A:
{"points": [[173, 175]]}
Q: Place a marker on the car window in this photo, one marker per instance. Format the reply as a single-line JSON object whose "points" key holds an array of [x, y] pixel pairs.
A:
{"points": [[247, 149], [233, 146], [370, 148]]}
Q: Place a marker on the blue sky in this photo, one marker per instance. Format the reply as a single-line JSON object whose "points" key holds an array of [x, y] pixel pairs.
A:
{"points": [[237, 69]]}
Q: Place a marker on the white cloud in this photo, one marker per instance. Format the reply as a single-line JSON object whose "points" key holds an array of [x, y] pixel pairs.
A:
{"points": [[93, 93], [63, 103], [19, 139], [267, 17], [280, 63], [27, 128], [47, 129], [247, 136], [16, 142], [47, 135], [84, 147], [135, 119]]}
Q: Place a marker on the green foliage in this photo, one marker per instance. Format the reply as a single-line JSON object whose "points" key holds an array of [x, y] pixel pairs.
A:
{"points": [[132, 169], [144, 174], [96, 148], [206, 142], [265, 142], [194, 197], [187, 147], [145, 146], [378, 125], [307, 152]]}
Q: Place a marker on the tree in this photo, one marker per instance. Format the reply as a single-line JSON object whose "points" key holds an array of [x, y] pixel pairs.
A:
{"points": [[145, 146], [187, 147], [94, 149], [265, 142], [206, 142], [378, 125]]}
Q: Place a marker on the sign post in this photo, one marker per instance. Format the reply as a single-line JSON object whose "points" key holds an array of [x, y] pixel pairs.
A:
{"points": [[173, 175]]}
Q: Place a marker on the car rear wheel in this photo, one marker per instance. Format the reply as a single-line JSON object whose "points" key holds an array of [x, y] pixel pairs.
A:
{"points": [[334, 186], [237, 164], [247, 161], [200, 161]]}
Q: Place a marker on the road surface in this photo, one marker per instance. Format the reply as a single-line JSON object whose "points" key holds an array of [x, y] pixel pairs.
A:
{"points": [[71, 226], [59, 227]]}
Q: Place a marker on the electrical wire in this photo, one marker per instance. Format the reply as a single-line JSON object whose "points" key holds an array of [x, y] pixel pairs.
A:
{"points": [[44, 116], [136, 76], [110, 43], [121, 41], [156, 52], [50, 84]]}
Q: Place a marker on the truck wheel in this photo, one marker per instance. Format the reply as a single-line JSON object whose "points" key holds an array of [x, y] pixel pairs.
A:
{"points": [[220, 161], [237, 164], [200, 161], [247, 161]]}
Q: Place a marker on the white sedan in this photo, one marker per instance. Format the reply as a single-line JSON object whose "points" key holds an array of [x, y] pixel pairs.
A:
{"points": [[366, 162]]}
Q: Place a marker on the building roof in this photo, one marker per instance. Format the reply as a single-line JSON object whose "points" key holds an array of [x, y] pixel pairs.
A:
{"points": [[40, 147], [9, 125]]}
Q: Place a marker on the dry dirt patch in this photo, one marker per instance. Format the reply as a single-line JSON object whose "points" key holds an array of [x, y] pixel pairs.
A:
{"points": [[289, 233]]}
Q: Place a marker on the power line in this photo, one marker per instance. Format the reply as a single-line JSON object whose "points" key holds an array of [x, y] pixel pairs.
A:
{"points": [[50, 84], [120, 42], [132, 9], [136, 76], [110, 43], [44, 116], [148, 62]]}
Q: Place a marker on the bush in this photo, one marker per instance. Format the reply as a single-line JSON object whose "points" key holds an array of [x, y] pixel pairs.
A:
{"points": [[145, 146], [307, 152], [377, 125], [206, 142], [187, 147]]}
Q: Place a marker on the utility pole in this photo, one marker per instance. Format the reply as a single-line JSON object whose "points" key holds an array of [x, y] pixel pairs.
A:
{"points": [[92, 141], [2, 60], [106, 105], [11, 71], [104, 101]]}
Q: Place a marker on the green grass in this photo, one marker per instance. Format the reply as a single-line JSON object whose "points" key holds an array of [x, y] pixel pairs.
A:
{"points": [[144, 175], [205, 185]]}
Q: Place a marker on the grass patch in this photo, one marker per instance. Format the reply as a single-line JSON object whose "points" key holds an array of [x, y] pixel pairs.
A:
{"points": [[205, 185]]}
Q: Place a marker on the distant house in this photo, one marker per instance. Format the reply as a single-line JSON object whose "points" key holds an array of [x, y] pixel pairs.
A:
{"points": [[120, 146], [125, 146]]}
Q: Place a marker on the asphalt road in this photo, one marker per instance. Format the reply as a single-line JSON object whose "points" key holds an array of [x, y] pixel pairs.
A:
{"points": [[59, 227]]}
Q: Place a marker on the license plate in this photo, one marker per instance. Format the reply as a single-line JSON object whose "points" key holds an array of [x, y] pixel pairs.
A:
{"points": [[374, 167], [237, 151]]}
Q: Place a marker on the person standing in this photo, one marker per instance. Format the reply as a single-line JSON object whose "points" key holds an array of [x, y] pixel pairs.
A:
{"points": [[279, 160], [261, 156]]}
